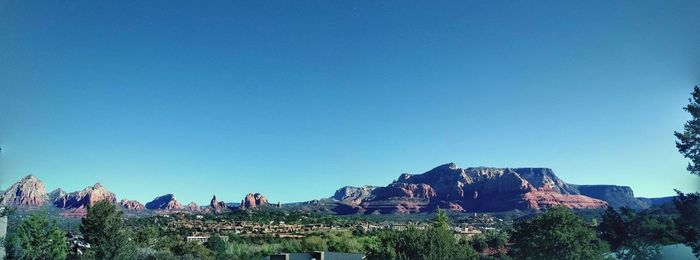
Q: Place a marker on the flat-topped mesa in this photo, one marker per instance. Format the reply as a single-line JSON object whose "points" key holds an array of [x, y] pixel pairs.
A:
{"points": [[131, 205], [82, 199], [616, 196], [253, 200], [27, 192], [473, 189], [165, 202]]}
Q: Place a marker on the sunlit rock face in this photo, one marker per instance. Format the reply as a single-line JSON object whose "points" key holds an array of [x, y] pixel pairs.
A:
{"points": [[82, 199], [477, 189], [217, 206], [27, 192], [193, 207], [132, 205], [165, 202], [253, 200], [616, 196]]}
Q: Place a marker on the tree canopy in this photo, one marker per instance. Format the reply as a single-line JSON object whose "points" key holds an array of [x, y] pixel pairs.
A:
{"points": [[38, 237], [556, 234], [103, 229]]}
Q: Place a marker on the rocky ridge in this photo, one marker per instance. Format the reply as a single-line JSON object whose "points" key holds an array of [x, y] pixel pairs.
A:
{"points": [[132, 205], [82, 199], [476, 189], [27, 192], [165, 202], [253, 200]]}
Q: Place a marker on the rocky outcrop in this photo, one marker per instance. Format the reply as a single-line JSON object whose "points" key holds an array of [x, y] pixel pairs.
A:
{"points": [[192, 207], [82, 199], [656, 201], [165, 202], [27, 192], [55, 194], [477, 189], [132, 205], [353, 194], [217, 206], [253, 201], [616, 196]]}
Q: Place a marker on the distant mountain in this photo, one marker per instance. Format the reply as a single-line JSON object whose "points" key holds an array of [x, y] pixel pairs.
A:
{"points": [[353, 194], [615, 196], [478, 189], [27, 192], [475, 189], [217, 206], [165, 202], [132, 205], [656, 201], [253, 200], [82, 199]]}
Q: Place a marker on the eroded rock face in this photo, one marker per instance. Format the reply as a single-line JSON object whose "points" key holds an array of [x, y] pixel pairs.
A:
{"points": [[27, 192], [192, 207], [132, 205], [253, 200], [352, 194], [165, 202], [82, 199], [217, 206], [616, 196], [475, 189]]}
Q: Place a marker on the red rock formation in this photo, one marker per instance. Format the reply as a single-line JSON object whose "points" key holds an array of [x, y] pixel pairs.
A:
{"points": [[165, 202], [473, 189], [87, 197], [132, 205], [548, 199], [253, 200], [192, 207], [217, 206], [27, 192]]}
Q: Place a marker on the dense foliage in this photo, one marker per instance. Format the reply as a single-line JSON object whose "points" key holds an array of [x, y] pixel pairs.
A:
{"points": [[103, 229], [633, 235], [38, 237], [688, 142], [556, 234], [688, 221]]}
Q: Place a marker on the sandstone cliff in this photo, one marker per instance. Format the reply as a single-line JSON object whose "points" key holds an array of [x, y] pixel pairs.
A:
{"points": [[27, 192], [165, 202], [477, 189], [132, 205], [84, 198], [253, 200]]}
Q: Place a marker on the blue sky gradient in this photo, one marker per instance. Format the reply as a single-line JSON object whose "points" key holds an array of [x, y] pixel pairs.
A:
{"points": [[295, 99]]}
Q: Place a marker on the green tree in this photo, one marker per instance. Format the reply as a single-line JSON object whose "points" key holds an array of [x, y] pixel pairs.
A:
{"points": [[613, 228], [103, 229], [688, 221], [441, 221], [688, 145], [556, 234], [688, 142], [633, 235], [41, 238], [147, 236], [437, 242], [191, 250], [216, 244]]}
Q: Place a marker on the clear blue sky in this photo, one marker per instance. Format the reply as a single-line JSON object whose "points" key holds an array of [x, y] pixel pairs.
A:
{"points": [[295, 99]]}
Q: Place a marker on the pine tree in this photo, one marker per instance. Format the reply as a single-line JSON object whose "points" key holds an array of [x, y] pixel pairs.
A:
{"points": [[41, 238], [688, 142], [103, 229]]}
